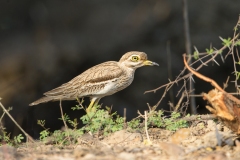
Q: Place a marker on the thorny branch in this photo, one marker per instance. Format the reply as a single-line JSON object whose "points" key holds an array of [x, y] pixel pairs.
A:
{"points": [[202, 59]]}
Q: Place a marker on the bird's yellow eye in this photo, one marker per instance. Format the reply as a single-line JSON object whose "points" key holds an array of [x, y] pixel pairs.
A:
{"points": [[135, 58]]}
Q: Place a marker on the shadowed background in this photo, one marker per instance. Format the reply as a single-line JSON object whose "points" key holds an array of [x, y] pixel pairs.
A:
{"points": [[44, 44]]}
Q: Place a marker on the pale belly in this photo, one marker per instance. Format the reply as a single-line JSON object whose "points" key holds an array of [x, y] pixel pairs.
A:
{"points": [[112, 87]]}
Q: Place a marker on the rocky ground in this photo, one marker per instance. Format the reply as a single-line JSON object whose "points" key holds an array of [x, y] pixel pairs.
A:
{"points": [[203, 140]]}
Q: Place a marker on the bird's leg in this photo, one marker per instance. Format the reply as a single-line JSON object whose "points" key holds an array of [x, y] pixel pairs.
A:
{"points": [[96, 102], [92, 106]]}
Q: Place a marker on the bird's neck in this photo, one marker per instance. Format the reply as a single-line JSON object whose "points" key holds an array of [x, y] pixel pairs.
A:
{"points": [[127, 68]]}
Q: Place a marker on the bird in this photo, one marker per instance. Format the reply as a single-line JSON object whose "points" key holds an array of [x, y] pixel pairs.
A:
{"points": [[99, 81]]}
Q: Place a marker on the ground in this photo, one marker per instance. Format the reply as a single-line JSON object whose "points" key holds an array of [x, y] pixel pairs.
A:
{"points": [[203, 140]]}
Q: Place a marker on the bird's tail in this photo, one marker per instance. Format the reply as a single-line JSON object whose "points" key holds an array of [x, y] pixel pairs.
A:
{"points": [[41, 100]]}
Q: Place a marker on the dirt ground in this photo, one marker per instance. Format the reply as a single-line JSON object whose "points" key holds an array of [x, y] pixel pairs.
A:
{"points": [[204, 140]]}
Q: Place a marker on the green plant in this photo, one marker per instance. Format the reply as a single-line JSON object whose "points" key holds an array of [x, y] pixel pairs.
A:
{"points": [[134, 124], [45, 133], [73, 123], [5, 137], [173, 123], [226, 42], [196, 53], [210, 50], [60, 137], [102, 120], [155, 118], [65, 117], [18, 138], [66, 137]]}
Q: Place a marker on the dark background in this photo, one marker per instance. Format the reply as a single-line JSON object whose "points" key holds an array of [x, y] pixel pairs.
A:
{"points": [[46, 43]]}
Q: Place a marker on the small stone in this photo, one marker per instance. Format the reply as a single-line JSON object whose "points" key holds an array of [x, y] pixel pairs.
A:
{"points": [[215, 156], [180, 135], [172, 149], [126, 156]]}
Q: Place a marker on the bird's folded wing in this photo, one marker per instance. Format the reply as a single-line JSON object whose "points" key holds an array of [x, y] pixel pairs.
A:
{"points": [[97, 74]]}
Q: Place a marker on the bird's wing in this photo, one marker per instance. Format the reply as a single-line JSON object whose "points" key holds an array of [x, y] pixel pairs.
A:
{"points": [[99, 73]]}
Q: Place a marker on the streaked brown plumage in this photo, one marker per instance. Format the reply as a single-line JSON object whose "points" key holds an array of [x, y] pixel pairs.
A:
{"points": [[99, 81]]}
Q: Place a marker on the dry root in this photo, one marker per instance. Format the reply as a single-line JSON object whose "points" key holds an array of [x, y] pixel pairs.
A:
{"points": [[225, 106]]}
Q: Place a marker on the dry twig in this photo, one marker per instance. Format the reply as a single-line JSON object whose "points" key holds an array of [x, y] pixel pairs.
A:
{"points": [[9, 115]]}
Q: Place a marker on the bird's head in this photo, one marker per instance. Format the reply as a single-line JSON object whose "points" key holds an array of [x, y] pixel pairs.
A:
{"points": [[135, 59]]}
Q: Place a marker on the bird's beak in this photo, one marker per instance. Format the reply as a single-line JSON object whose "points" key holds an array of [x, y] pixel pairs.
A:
{"points": [[150, 63]]}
